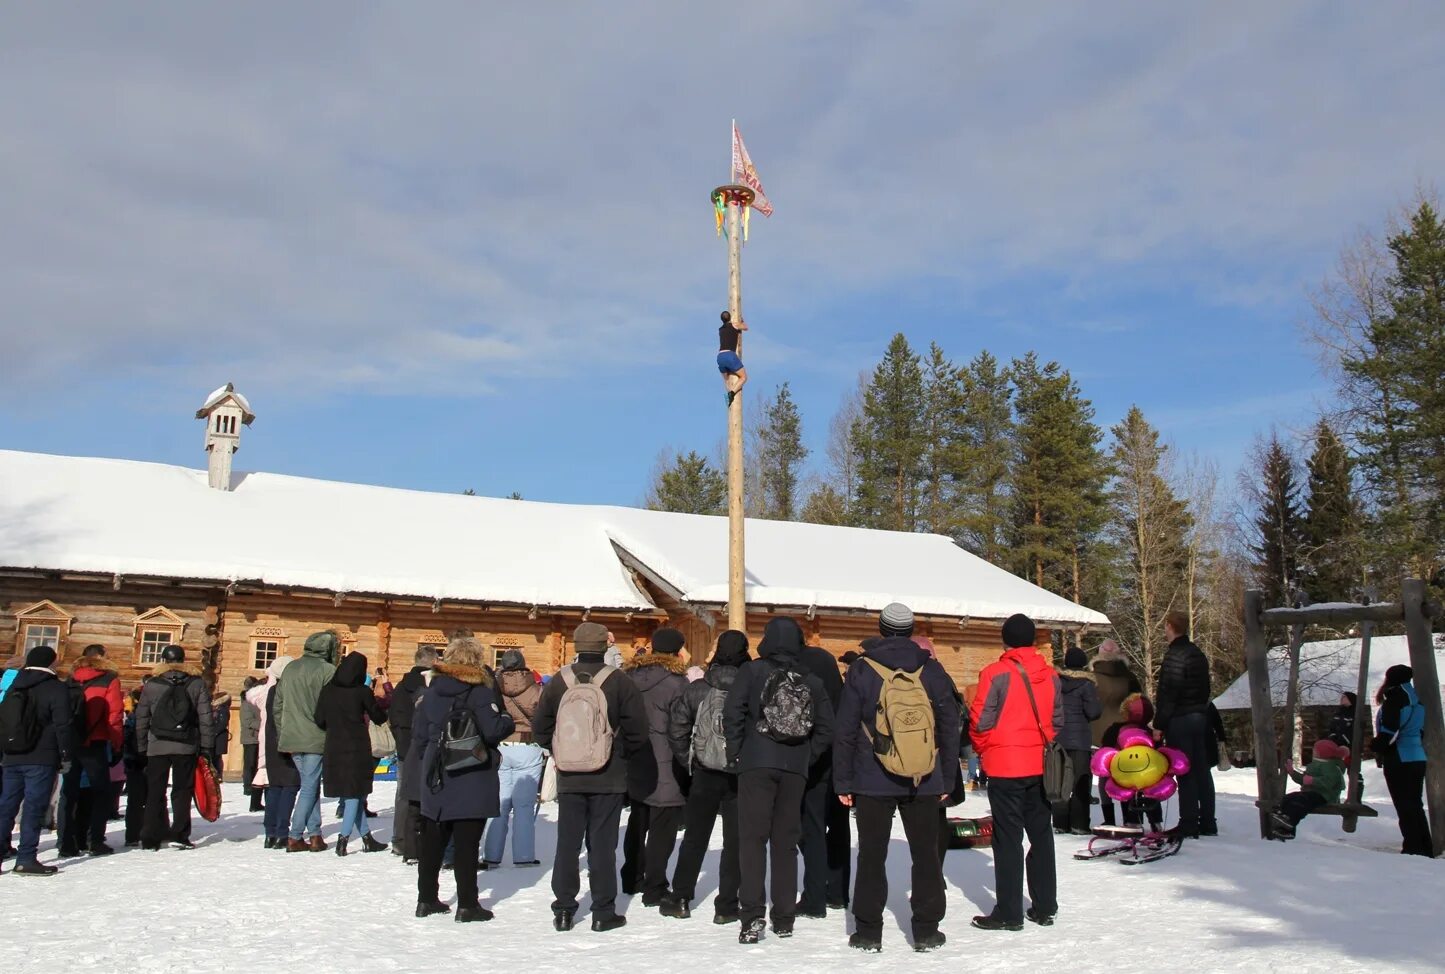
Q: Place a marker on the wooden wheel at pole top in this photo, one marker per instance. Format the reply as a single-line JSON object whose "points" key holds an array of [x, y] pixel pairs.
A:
{"points": [[734, 193]]}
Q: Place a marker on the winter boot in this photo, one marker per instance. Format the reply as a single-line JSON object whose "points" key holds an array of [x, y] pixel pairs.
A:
{"points": [[604, 924], [675, 906], [34, 869], [425, 909], [369, 844], [341, 843], [1042, 919], [992, 921], [563, 920], [752, 932], [297, 845], [782, 929], [864, 942], [929, 941], [473, 914], [316, 844], [101, 849]]}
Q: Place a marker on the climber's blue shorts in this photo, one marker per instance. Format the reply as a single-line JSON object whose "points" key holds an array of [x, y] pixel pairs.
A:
{"points": [[728, 363]]}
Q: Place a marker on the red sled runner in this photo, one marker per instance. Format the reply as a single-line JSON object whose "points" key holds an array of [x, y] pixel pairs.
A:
{"points": [[208, 790]]}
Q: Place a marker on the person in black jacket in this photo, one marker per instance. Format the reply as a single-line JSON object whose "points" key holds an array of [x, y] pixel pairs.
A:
{"points": [[589, 804], [406, 819], [827, 843], [29, 776], [876, 795], [714, 791], [1181, 717], [348, 769], [772, 776], [1081, 709]]}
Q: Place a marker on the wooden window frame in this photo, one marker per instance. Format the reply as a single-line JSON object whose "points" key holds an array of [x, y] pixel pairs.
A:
{"points": [[156, 620], [140, 656], [43, 613], [265, 634]]}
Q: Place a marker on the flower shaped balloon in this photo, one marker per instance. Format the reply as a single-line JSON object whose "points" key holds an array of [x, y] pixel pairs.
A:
{"points": [[1137, 767]]}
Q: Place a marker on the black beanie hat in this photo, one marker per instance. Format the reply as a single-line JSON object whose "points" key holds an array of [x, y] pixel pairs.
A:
{"points": [[173, 654], [1019, 631], [732, 649], [1075, 659], [667, 642], [42, 657]]}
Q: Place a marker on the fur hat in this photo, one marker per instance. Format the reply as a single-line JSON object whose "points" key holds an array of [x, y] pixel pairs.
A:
{"points": [[1109, 649], [590, 637], [1019, 631], [896, 620], [668, 641], [1327, 750]]}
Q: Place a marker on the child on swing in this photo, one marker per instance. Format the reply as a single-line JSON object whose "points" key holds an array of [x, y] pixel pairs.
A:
{"points": [[1323, 780], [728, 362]]}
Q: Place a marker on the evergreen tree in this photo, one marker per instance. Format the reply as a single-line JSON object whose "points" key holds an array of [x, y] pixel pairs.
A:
{"points": [[826, 506], [1333, 567], [982, 459], [688, 484], [942, 411], [1060, 479], [888, 443], [780, 456], [1150, 525], [1278, 535]]}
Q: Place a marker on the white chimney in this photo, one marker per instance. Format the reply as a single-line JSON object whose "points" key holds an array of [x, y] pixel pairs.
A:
{"points": [[225, 412]]}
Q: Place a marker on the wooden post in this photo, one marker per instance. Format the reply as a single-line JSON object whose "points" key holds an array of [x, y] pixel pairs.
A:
{"points": [[1427, 686], [1362, 717], [1291, 694], [1261, 705], [736, 198]]}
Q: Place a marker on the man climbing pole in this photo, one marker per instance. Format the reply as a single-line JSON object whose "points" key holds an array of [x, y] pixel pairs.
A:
{"points": [[728, 362]]}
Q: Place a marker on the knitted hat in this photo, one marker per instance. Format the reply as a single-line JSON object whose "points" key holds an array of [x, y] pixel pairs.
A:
{"points": [[1327, 750], [732, 649], [667, 641], [42, 657], [1075, 659], [1109, 649], [1019, 631], [896, 620], [1136, 709], [590, 637]]}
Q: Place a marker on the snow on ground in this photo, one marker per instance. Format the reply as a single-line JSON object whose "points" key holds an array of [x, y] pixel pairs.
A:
{"points": [[1327, 902]]}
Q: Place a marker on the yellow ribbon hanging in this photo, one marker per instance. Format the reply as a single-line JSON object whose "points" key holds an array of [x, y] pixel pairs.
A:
{"points": [[719, 213], [747, 212]]}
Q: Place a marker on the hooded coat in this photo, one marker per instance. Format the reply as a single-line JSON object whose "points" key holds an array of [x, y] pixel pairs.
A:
{"points": [[297, 692], [520, 694], [168, 675], [267, 759], [626, 714], [1006, 734], [342, 710], [51, 699], [661, 679], [748, 747], [403, 706], [1115, 682], [1183, 683], [856, 770], [1082, 709], [104, 707], [473, 793]]}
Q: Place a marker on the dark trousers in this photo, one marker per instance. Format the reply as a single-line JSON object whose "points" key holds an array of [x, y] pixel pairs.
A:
{"points": [[1074, 813], [647, 847], [770, 805], [920, 825], [405, 817], [595, 818], [250, 757], [280, 802], [467, 834], [179, 770], [25, 793], [135, 800], [1019, 808], [1297, 804], [83, 815], [1406, 781], [713, 793], [1191, 734], [826, 844]]}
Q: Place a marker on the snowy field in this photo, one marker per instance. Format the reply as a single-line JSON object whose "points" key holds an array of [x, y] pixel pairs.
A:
{"points": [[1327, 902]]}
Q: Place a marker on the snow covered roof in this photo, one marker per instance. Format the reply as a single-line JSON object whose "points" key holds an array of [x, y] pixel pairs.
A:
{"points": [[132, 518], [1327, 669], [217, 397]]}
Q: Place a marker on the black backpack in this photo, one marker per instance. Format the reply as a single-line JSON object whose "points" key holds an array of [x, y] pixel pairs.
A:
{"points": [[787, 707], [174, 717], [461, 746], [19, 723]]}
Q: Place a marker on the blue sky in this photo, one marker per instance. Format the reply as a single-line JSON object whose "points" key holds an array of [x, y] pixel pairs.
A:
{"points": [[442, 248]]}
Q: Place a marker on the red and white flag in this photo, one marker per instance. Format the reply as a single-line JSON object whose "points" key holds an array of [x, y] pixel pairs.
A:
{"points": [[746, 173]]}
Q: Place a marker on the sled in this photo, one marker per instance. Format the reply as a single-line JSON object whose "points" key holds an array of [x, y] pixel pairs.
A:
{"points": [[970, 833], [1130, 845], [207, 790]]}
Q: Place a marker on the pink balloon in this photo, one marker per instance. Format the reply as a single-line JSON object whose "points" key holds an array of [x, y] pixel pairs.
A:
{"points": [[1178, 760], [1132, 736], [1162, 790], [1099, 766], [1117, 791]]}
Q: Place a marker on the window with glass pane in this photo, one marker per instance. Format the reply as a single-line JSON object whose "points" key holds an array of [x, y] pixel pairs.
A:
{"points": [[152, 643], [38, 635], [265, 652]]}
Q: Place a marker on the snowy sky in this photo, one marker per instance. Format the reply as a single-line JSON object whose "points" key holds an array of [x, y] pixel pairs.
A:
{"points": [[450, 244]]}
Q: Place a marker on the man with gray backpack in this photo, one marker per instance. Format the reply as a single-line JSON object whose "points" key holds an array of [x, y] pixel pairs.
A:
{"points": [[896, 750], [778, 723], [592, 720], [695, 732]]}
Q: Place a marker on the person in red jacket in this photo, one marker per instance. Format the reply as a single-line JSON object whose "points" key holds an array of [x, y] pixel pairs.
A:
{"points": [[1010, 740], [99, 737]]}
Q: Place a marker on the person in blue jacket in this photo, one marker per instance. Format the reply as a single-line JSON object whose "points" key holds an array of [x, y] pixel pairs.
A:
{"points": [[1400, 750]]}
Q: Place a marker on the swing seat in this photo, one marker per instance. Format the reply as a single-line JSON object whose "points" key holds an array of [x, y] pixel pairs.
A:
{"points": [[1349, 813]]}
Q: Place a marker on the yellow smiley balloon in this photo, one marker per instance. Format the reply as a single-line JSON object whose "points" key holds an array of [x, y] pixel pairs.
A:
{"points": [[1138, 767]]}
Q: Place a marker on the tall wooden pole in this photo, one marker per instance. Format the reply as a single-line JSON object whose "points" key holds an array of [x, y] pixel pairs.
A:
{"points": [[737, 596], [1261, 705], [1418, 614]]}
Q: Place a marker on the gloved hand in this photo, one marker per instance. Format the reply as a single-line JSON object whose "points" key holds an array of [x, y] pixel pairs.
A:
{"points": [[64, 768]]}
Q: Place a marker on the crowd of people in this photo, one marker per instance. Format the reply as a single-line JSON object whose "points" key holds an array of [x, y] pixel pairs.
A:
{"points": [[790, 749]]}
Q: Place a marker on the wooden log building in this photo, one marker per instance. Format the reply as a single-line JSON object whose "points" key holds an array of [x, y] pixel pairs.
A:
{"points": [[242, 568]]}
